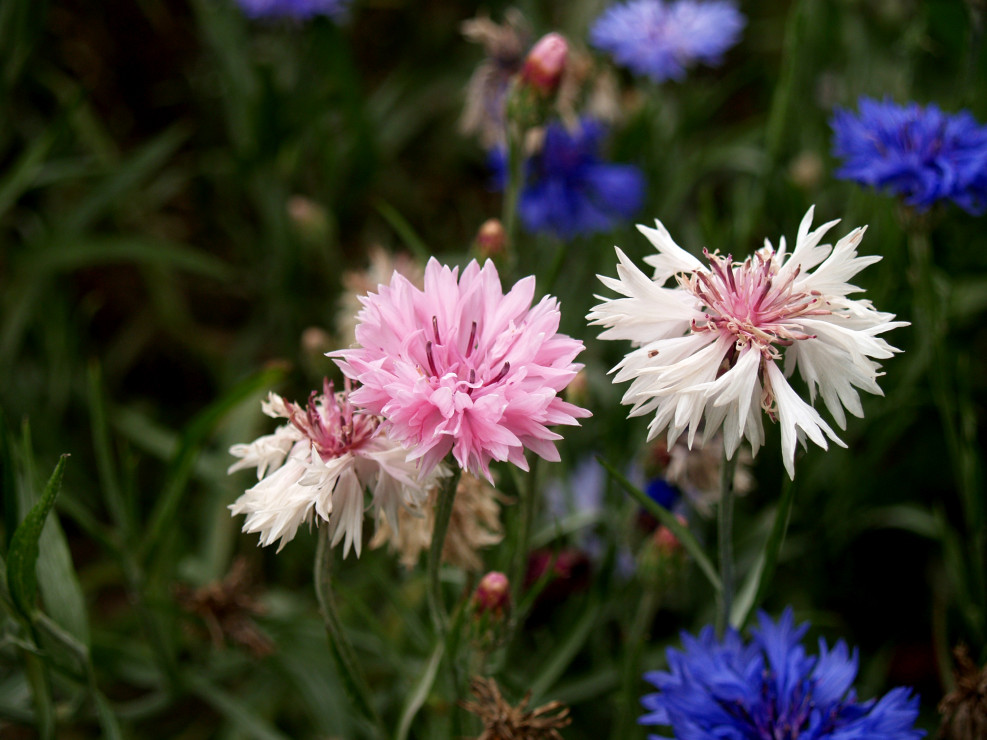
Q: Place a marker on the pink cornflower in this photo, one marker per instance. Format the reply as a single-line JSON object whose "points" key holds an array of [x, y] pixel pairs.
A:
{"points": [[461, 367], [709, 349], [320, 464]]}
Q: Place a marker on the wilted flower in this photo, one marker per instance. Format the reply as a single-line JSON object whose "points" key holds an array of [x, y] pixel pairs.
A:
{"points": [[568, 189], [297, 9], [709, 348], [501, 721], [475, 524], [770, 689], [696, 472], [964, 709], [318, 465], [358, 283], [505, 46], [461, 367], [661, 39], [921, 154]]}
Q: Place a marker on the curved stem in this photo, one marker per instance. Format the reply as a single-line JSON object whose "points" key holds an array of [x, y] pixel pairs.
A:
{"points": [[725, 526], [342, 652], [443, 513]]}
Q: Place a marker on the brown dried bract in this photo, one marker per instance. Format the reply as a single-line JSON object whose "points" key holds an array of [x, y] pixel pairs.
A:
{"points": [[501, 721], [964, 709], [227, 608]]}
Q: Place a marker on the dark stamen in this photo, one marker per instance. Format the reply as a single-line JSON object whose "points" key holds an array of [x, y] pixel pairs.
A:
{"points": [[502, 373], [469, 344], [435, 330], [431, 361], [472, 373]]}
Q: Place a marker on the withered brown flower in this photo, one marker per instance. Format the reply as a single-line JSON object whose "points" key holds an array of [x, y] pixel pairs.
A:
{"points": [[227, 608], [964, 709], [501, 721]]}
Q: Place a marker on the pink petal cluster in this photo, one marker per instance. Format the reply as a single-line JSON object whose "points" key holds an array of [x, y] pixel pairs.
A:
{"points": [[462, 367]]}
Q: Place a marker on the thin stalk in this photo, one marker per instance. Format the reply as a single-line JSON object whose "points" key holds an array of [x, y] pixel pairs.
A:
{"points": [[342, 651], [526, 515], [932, 328], [631, 668], [443, 513], [512, 191], [725, 527]]}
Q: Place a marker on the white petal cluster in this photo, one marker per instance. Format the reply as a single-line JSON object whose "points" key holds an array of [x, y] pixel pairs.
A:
{"points": [[708, 348], [297, 484]]}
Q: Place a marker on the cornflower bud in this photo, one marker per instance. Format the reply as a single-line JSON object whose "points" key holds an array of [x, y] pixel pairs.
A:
{"points": [[490, 239], [493, 594], [543, 68]]}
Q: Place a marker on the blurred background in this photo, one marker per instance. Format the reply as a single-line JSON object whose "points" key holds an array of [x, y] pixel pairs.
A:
{"points": [[187, 195]]}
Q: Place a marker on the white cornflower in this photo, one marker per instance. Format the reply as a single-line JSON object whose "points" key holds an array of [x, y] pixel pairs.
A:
{"points": [[320, 464], [708, 349]]}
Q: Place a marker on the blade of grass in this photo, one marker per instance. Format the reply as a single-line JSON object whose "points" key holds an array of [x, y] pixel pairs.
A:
{"points": [[179, 472], [421, 690], [757, 582], [404, 230], [689, 542]]}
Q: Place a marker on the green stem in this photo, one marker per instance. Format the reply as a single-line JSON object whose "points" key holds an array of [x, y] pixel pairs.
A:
{"points": [[932, 328], [342, 652], [443, 513], [726, 540], [681, 532], [526, 515], [631, 668], [512, 191]]}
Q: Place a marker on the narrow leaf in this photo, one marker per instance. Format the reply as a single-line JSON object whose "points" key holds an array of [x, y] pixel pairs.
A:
{"points": [[753, 590], [180, 471], [418, 695], [689, 542], [22, 557]]}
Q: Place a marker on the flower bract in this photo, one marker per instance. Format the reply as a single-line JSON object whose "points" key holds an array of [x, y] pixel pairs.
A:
{"points": [[462, 367], [770, 689], [318, 465], [720, 345], [663, 39], [919, 153]]}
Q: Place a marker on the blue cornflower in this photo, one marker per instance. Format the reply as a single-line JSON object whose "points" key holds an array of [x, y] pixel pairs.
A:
{"points": [[297, 9], [660, 40], [770, 689], [568, 190], [921, 154]]}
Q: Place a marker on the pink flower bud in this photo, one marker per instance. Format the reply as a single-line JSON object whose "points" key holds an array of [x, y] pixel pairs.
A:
{"points": [[666, 542], [543, 68], [490, 239], [493, 594]]}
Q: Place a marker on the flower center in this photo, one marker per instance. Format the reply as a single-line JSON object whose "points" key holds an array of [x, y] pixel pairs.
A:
{"points": [[330, 423], [743, 299], [468, 372]]}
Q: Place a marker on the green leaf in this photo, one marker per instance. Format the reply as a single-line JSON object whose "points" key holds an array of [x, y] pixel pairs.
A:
{"points": [[562, 657], [753, 590], [689, 542], [69, 255], [233, 709], [179, 472], [418, 695], [61, 592], [124, 178], [22, 557], [404, 230]]}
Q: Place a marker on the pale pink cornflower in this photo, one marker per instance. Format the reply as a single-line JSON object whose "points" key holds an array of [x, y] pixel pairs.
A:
{"points": [[708, 349], [462, 367], [318, 465]]}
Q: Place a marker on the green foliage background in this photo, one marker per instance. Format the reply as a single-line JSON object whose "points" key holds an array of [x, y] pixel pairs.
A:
{"points": [[154, 285]]}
